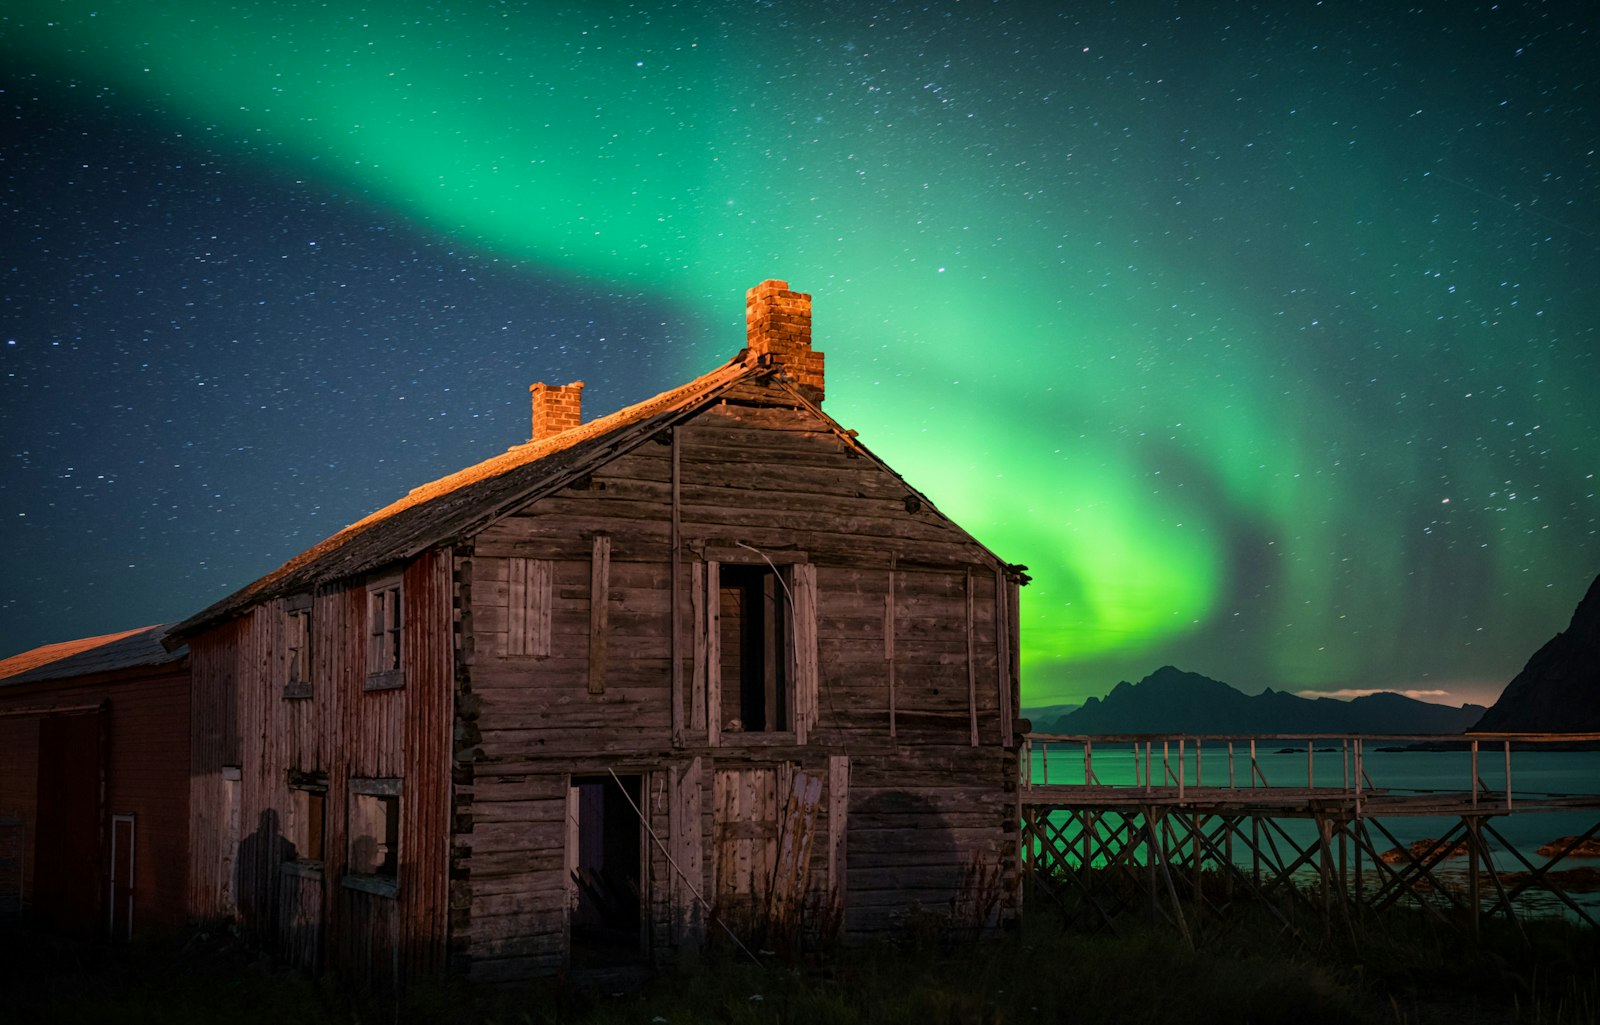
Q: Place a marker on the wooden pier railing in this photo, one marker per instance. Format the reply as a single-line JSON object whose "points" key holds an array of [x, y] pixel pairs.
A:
{"points": [[1193, 822]]}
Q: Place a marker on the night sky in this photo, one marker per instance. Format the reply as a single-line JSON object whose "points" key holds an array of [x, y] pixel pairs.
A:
{"points": [[1267, 336]]}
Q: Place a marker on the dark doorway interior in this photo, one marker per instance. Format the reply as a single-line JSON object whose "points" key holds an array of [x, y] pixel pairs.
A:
{"points": [[67, 842], [606, 924]]}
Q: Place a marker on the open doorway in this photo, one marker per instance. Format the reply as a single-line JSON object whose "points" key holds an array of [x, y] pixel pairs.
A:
{"points": [[604, 877]]}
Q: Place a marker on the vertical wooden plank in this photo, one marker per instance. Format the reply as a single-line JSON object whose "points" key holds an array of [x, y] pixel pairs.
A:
{"points": [[517, 606], [805, 649], [713, 642], [541, 606], [797, 801], [599, 610], [686, 844], [838, 823], [972, 666], [1002, 660], [675, 616], [697, 620], [722, 845], [774, 806], [569, 876], [888, 642], [1014, 662], [748, 808], [412, 929]]}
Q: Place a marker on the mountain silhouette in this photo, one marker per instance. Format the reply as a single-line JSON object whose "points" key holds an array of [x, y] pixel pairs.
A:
{"points": [[1558, 691], [1170, 700]]}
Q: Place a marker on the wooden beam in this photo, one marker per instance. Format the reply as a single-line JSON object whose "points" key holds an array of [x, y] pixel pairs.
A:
{"points": [[599, 612], [1002, 660], [972, 666], [888, 642], [838, 821], [807, 673], [676, 624], [697, 623], [712, 684]]}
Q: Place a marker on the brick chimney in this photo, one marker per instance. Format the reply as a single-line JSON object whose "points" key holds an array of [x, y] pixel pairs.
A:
{"points": [[556, 408], [778, 323]]}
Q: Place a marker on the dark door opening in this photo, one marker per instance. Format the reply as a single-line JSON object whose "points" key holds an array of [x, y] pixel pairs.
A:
{"points": [[604, 845], [67, 879], [120, 921]]}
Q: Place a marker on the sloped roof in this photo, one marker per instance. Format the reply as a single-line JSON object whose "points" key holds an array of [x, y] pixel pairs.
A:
{"points": [[107, 653], [463, 502]]}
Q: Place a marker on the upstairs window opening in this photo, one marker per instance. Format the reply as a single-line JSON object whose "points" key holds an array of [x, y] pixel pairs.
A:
{"points": [[754, 643], [384, 637], [297, 647]]}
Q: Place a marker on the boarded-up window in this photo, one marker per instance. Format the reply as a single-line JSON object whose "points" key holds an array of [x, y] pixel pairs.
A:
{"points": [[746, 816], [530, 591], [765, 820], [384, 635]]}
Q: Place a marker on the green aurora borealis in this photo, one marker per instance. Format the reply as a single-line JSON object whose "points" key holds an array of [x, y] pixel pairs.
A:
{"points": [[1267, 340]]}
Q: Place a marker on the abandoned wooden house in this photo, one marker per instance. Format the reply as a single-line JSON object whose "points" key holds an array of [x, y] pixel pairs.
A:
{"points": [[94, 786], [703, 662]]}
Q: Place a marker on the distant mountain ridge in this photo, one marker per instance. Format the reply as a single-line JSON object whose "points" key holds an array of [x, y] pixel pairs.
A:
{"points": [[1558, 691], [1045, 717], [1170, 700]]}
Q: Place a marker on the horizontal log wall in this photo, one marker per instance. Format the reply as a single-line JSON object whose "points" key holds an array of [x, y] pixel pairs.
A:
{"points": [[517, 882], [780, 481]]}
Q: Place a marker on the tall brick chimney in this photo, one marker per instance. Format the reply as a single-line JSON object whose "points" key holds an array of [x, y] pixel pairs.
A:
{"points": [[556, 408], [778, 323]]}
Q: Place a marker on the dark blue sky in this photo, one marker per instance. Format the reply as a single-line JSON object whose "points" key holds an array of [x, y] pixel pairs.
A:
{"points": [[1265, 335]]}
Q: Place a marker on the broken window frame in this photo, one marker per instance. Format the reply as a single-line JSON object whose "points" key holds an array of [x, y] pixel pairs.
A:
{"points": [[760, 643], [297, 647], [373, 815], [385, 626], [799, 582], [306, 823]]}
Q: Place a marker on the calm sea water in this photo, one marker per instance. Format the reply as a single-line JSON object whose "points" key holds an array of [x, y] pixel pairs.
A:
{"points": [[1533, 774]]}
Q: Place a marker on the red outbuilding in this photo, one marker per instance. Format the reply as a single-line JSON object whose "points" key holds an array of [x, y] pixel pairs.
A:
{"points": [[94, 785]]}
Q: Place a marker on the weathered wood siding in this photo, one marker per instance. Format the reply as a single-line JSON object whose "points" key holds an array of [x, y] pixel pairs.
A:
{"points": [[914, 799], [341, 731], [213, 749]]}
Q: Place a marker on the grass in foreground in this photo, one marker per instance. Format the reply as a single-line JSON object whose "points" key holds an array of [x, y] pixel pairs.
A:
{"points": [[1402, 971]]}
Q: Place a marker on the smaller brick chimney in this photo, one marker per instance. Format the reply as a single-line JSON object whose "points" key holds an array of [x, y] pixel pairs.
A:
{"points": [[778, 323], [556, 408]]}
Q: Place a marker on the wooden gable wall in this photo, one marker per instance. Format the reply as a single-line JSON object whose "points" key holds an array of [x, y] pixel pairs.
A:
{"points": [[915, 695]]}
